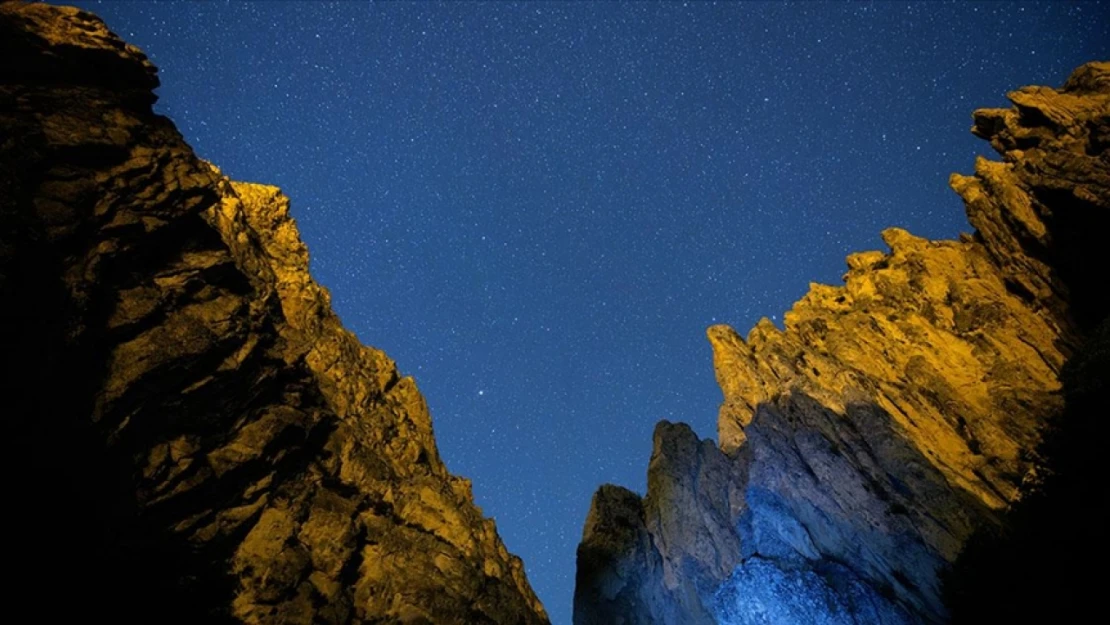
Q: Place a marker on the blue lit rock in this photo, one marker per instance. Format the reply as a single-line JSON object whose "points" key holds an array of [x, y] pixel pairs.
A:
{"points": [[660, 559], [761, 592]]}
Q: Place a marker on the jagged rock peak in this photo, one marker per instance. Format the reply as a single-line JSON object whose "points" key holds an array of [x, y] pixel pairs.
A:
{"points": [[199, 438], [638, 555], [864, 442]]}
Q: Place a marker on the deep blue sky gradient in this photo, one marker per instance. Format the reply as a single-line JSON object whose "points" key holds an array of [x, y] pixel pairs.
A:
{"points": [[538, 208]]}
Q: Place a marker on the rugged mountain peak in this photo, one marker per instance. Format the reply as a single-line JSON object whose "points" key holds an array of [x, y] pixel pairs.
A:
{"points": [[863, 443], [200, 438]]}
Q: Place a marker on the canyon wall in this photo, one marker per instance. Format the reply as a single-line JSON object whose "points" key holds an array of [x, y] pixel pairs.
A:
{"points": [[860, 447], [193, 435]]}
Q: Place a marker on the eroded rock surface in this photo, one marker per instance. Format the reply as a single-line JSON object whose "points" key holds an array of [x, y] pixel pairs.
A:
{"points": [[861, 446], [196, 436]]}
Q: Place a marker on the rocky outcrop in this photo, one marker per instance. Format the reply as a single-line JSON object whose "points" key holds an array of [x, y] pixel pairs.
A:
{"points": [[649, 560], [193, 435], [860, 447]]}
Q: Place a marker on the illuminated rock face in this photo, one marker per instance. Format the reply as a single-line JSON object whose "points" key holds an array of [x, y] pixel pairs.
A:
{"points": [[650, 560], [894, 415], [764, 592], [193, 436]]}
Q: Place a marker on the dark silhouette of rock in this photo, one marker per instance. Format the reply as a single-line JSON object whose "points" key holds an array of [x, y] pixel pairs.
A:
{"points": [[192, 434], [894, 416], [1030, 568]]}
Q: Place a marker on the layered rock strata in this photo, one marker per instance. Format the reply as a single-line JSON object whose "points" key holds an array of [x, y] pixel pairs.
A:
{"points": [[193, 435], [862, 445]]}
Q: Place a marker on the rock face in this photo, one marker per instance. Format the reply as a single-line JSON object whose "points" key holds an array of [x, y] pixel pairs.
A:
{"points": [[860, 447], [196, 436], [649, 561]]}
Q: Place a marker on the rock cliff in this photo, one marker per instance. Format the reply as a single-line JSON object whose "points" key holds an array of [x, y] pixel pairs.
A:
{"points": [[861, 446], [193, 435]]}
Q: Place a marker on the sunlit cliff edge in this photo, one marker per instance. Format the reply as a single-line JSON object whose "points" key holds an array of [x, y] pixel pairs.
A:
{"points": [[896, 415], [192, 434]]}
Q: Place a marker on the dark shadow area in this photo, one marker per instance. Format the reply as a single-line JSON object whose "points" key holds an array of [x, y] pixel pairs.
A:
{"points": [[1078, 228], [1039, 565], [79, 548]]}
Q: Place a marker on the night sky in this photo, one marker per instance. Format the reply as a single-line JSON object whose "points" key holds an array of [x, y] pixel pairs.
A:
{"points": [[537, 209]]}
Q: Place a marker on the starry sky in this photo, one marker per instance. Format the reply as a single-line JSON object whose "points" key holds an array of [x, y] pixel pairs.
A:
{"points": [[537, 208]]}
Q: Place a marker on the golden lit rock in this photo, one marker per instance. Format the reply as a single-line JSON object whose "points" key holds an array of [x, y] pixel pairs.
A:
{"points": [[247, 457]]}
